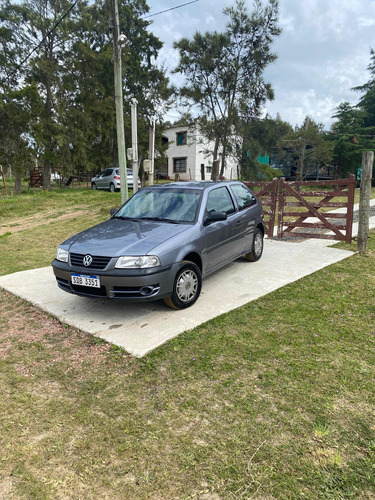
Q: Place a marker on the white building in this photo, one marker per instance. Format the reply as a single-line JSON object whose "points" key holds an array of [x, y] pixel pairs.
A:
{"points": [[189, 152]]}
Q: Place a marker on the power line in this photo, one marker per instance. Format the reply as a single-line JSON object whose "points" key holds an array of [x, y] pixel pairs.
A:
{"points": [[42, 41], [167, 10]]}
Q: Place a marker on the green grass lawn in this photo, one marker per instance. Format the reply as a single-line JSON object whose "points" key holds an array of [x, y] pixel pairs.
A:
{"points": [[275, 400]]}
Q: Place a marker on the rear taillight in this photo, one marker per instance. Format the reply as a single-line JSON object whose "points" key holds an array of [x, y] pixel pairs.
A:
{"points": [[116, 177]]}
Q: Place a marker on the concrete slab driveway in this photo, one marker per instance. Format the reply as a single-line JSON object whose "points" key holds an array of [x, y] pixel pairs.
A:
{"points": [[139, 328]]}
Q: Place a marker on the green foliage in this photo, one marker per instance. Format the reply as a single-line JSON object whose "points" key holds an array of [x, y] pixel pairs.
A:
{"points": [[262, 137], [354, 131], [16, 110], [72, 127], [307, 148], [347, 150], [224, 72]]}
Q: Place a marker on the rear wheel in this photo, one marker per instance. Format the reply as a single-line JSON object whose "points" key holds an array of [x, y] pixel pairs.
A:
{"points": [[94, 186], [187, 286], [112, 187], [257, 247]]}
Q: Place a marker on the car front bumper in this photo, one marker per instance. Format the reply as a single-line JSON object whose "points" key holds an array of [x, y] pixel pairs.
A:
{"points": [[136, 285]]}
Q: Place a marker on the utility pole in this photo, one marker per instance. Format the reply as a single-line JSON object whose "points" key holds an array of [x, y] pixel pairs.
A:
{"points": [[364, 201], [118, 41], [133, 106], [151, 153]]}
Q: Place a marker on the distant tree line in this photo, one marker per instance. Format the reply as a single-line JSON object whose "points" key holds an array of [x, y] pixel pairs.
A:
{"points": [[57, 92], [57, 101]]}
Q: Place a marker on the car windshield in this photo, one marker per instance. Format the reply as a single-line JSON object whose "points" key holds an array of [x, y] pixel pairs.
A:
{"points": [[168, 204]]}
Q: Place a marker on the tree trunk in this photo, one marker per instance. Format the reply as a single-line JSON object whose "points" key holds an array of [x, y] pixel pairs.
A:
{"points": [[17, 182], [203, 177], [299, 172], [223, 158], [46, 174], [301, 164], [335, 174], [215, 163]]}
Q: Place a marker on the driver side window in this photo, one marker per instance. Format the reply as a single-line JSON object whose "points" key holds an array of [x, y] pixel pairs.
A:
{"points": [[219, 200]]}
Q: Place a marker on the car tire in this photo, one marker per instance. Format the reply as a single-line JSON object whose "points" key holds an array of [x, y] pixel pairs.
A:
{"points": [[94, 186], [112, 187], [257, 247], [186, 287]]}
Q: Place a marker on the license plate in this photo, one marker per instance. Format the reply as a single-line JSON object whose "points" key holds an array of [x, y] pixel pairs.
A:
{"points": [[84, 280]]}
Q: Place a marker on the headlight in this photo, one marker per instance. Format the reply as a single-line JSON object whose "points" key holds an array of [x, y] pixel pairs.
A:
{"points": [[62, 255], [137, 262]]}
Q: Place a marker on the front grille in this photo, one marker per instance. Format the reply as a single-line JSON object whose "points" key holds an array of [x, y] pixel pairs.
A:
{"points": [[98, 262]]}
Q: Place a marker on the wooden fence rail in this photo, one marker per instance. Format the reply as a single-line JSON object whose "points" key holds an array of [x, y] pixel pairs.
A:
{"points": [[302, 210]]}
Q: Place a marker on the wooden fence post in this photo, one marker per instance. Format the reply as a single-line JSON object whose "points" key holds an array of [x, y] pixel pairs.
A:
{"points": [[364, 200], [349, 210], [280, 216]]}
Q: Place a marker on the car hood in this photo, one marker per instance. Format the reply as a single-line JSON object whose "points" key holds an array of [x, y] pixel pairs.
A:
{"points": [[117, 237]]}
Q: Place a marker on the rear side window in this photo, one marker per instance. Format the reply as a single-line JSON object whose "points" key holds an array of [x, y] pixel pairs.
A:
{"points": [[219, 200], [244, 196]]}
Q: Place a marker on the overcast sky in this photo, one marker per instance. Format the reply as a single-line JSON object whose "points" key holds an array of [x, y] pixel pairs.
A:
{"points": [[323, 51]]}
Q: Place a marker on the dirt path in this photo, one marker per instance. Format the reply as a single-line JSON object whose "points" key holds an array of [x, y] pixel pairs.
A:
{"points": [[37, 220]]}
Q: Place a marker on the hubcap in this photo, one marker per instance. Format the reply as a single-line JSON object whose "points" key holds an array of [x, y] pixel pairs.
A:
{"points": [[258, 244], [187, 285]]}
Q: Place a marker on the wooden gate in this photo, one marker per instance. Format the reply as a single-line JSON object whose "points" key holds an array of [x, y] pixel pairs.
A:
{"points": [[266, 193], [299, 203]]}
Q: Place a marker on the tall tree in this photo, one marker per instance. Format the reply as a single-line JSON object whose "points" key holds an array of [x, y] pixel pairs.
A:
{"points": [[69, 48], [261, 137], [367, 100], [346, 135], [15, 117], [353, 132], [90, 84], [224, 72], [308, 148]]}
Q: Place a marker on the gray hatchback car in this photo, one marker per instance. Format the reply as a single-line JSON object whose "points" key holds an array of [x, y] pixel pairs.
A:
{"points": [[110, 179], [162, 242]]}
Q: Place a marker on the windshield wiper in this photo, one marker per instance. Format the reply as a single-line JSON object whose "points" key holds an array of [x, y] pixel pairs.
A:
{"points": [[122, 217], [161, 219]]}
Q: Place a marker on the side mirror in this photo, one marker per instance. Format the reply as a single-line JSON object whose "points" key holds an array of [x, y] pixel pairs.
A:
{"points": [[214, 217], [113, 211]]}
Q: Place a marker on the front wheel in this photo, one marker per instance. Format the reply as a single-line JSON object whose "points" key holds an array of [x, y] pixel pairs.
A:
{"points": [[94, 186], [257, 247], [187, 286]]}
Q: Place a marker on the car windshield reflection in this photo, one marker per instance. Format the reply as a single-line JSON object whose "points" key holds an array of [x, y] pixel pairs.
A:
{"points": [[172, 205]]}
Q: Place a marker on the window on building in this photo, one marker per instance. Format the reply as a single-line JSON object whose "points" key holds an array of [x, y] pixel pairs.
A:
{"points": [[179, 164], [181, 138]]}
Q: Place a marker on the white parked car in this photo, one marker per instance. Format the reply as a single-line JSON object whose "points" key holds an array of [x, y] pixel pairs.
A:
{"points": [[110, 179]]}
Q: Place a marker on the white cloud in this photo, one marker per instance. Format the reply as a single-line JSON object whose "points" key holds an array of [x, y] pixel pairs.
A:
{"points": [[323, 50]]}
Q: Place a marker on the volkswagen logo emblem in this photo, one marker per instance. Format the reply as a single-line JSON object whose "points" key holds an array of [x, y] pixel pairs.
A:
{"points": [[87, 260]]}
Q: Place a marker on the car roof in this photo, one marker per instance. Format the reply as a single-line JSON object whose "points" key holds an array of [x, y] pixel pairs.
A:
{"points": [[194, 184]]}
